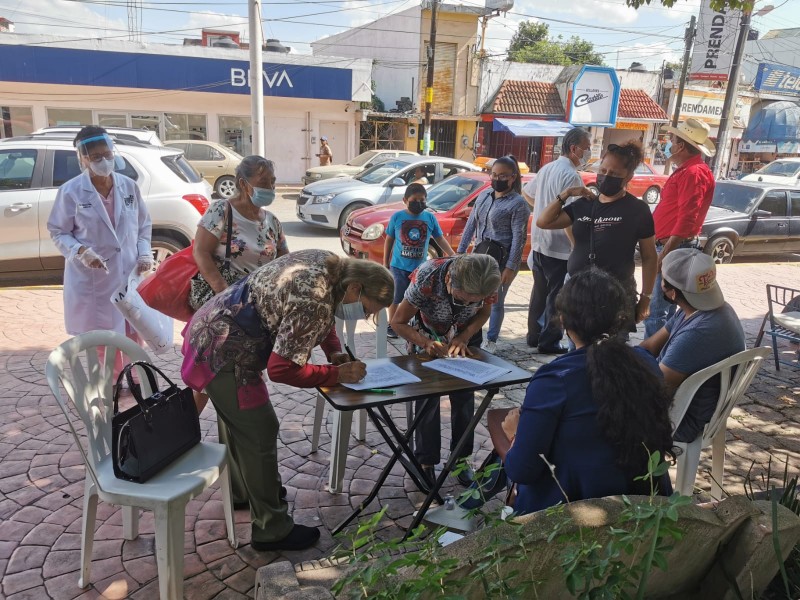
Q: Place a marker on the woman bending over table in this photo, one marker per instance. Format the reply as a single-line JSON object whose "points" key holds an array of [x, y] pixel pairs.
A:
{"points": [[272, 319], [594, 413], [444, 308]]}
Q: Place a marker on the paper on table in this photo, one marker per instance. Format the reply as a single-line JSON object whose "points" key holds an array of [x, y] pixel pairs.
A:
{"points": [[383, 375], [467, 368]]}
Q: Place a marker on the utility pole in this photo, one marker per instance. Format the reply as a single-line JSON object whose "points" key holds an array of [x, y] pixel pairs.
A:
{"points": [[256, 78], [687, 53], [729, 107], [426, 141]]}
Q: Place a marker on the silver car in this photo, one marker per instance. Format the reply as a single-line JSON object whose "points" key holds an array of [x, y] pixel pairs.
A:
{"points": [[354, 166], [329, 203], [33, 167]]}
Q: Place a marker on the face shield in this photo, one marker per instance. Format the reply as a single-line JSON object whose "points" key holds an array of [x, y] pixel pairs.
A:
{"points": [[99, 154]]}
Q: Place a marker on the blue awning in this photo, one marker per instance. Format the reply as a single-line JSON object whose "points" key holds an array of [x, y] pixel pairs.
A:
{"points": [[532, 127], [776, 122]]}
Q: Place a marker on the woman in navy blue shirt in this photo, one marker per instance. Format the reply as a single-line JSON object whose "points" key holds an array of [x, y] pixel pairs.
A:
{"points": [[593, 413]]}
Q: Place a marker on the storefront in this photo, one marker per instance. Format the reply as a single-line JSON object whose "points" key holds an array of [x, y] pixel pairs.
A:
{"points": [[184, 92], [773, 132]]}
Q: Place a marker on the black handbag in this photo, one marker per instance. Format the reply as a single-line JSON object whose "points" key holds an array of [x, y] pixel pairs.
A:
{"points": [[159, 429], [200, 291], [487, 245]]}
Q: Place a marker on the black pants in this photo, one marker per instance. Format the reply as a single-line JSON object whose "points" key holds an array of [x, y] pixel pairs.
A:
{"points": [[428, 435], [548, 279]]}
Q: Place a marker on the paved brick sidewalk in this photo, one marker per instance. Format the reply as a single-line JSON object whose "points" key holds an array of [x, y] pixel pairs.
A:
{"points": [[41, 474]]}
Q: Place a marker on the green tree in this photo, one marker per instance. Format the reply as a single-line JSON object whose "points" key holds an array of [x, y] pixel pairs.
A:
{"points": [[531, 43], [715, 4]]}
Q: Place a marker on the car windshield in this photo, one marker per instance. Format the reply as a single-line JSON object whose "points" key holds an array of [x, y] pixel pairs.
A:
{"points": [[780, 168], [740, 198], [381, 171], [361, 159], [445, 195]]}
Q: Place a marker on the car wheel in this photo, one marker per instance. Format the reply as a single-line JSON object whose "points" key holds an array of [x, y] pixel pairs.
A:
{"points": [[348, 211], [593, 188], [720, 249], [225, 187], [652, 195], [163, 247]]}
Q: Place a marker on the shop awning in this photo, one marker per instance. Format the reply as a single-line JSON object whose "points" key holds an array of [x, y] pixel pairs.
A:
{"points": [[776, 122], [532, 127]]}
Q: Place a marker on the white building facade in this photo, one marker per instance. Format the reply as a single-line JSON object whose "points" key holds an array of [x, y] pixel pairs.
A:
{"points": [[184, 92]]}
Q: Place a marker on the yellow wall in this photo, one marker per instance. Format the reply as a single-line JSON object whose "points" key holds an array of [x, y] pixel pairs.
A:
{"points": [[465, 128]]}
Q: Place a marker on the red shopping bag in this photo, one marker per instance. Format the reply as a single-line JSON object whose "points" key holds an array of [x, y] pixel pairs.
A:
{"points": [[167, 290]]}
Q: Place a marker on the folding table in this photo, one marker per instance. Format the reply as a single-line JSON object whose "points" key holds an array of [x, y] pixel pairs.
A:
{"points": [[434, 383]]}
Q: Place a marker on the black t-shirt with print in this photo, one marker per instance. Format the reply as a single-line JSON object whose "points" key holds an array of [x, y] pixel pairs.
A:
{"points": [[618, 226]]}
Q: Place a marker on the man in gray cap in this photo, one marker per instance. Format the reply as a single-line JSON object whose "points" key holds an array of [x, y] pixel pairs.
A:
{"points": [[703, 332]]}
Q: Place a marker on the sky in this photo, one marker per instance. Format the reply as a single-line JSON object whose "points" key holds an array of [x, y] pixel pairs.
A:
{"points": [[623, 35]]}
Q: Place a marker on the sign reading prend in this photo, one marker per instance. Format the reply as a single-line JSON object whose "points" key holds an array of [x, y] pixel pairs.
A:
{"points": [[714, 43]]}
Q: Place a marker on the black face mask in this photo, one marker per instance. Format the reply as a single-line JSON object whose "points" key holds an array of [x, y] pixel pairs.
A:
{"points": [[609, 185], [667, 298], [417, 206], [500, 185]]}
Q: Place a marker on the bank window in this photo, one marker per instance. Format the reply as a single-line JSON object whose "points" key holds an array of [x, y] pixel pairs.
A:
{"points": [[235, 133], [183, 126], [68, 116], [775, 203], [112, 120], [15, 120], [16, 169]]}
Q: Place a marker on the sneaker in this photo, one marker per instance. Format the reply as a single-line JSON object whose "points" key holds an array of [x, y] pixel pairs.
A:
{"points": [[553, 350], [466, 477], [429, 472], [299, 538], [489, 346], [390, 333]]}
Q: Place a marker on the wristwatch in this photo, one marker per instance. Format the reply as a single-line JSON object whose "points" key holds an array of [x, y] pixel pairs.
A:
{"points": [[560, 199], [648, 296]]}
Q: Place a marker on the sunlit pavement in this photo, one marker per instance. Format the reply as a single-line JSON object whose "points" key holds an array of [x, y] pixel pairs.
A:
{"points": [[41, 471]]}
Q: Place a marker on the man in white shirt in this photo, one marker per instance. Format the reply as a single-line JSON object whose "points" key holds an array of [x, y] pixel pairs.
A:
{"points": [[550, 249]]}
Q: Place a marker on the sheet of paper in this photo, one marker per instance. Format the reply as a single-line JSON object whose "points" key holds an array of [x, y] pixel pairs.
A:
{"points": [[383, 375], [467, 368]]}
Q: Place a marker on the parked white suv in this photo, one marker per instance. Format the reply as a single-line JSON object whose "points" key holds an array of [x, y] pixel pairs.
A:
{"points": [[33, 167], [146, 136]]}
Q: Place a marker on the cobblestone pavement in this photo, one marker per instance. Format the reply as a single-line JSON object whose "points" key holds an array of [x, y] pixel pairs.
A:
{"points": [[41, 474]]}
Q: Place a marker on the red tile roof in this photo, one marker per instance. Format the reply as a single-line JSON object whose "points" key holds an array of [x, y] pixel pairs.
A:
{"points": [[636, 104], [527, 98]]}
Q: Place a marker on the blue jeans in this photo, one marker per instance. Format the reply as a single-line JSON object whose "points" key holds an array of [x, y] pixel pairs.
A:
{"points": [[497, 315], [401, 283], [661, 311]]}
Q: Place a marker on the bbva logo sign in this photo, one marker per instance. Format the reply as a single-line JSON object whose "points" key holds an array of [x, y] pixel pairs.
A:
{"points": [[241, 78]]}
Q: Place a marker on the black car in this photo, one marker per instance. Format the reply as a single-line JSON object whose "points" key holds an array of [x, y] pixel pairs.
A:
{"points": [[750, 218]]}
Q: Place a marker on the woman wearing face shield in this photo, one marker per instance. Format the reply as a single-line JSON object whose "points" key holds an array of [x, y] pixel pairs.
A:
{"points": [[100, 224], [272, 319], [257, 236]]}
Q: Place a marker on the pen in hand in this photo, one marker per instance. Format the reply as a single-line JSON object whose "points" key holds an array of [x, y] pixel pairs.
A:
{"points": [[349, 352]]}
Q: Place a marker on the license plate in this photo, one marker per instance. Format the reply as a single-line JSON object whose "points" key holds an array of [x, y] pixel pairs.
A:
{"points": [[346, 246]]}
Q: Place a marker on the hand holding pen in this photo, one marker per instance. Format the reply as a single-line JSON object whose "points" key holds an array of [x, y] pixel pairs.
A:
{"points": [[353, 371]]}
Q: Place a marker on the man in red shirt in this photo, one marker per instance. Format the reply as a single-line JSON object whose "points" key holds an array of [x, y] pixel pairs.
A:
{"points": [[684, 203]]}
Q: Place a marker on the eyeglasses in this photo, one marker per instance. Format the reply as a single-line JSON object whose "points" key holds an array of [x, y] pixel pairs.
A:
{"points": [[463, 303], [100, 156], [502, 176]]}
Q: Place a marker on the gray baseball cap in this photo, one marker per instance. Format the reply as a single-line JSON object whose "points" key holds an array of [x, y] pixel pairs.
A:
{"points": [[695, 275]]}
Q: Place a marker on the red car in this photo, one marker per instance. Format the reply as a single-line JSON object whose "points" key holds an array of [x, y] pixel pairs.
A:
{"points": [[646, 183], [450, 200]]}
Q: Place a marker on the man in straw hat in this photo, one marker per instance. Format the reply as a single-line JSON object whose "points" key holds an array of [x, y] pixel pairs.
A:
{"points": [[684, 203]]}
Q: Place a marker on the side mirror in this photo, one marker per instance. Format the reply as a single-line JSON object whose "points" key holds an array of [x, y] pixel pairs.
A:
{"points": [[762, 213], [397, 182]]}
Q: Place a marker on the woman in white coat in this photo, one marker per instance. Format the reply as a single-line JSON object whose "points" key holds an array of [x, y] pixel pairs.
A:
{"points": [[100, 224]]}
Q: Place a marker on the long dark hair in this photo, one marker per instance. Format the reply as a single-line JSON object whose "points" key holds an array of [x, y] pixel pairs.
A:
{"points": [[511, 162], [633, 404]]}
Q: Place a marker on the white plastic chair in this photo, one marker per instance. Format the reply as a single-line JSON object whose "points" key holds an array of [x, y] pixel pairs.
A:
{"points": [[89, 386], [736, 373], [343, 420]]}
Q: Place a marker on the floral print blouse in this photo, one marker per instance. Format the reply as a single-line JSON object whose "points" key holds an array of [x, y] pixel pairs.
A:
{"points": [[285, 307], [253, 244]]}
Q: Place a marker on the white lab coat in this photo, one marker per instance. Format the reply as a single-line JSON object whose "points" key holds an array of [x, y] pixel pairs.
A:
{"points": [[79, 219]]}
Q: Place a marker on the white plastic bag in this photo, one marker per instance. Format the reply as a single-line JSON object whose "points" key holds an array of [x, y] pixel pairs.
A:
{"points": [[155, 328]]}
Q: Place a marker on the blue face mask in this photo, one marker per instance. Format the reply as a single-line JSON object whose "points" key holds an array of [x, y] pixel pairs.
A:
{"points": [[351, 311], [262, 197]]}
